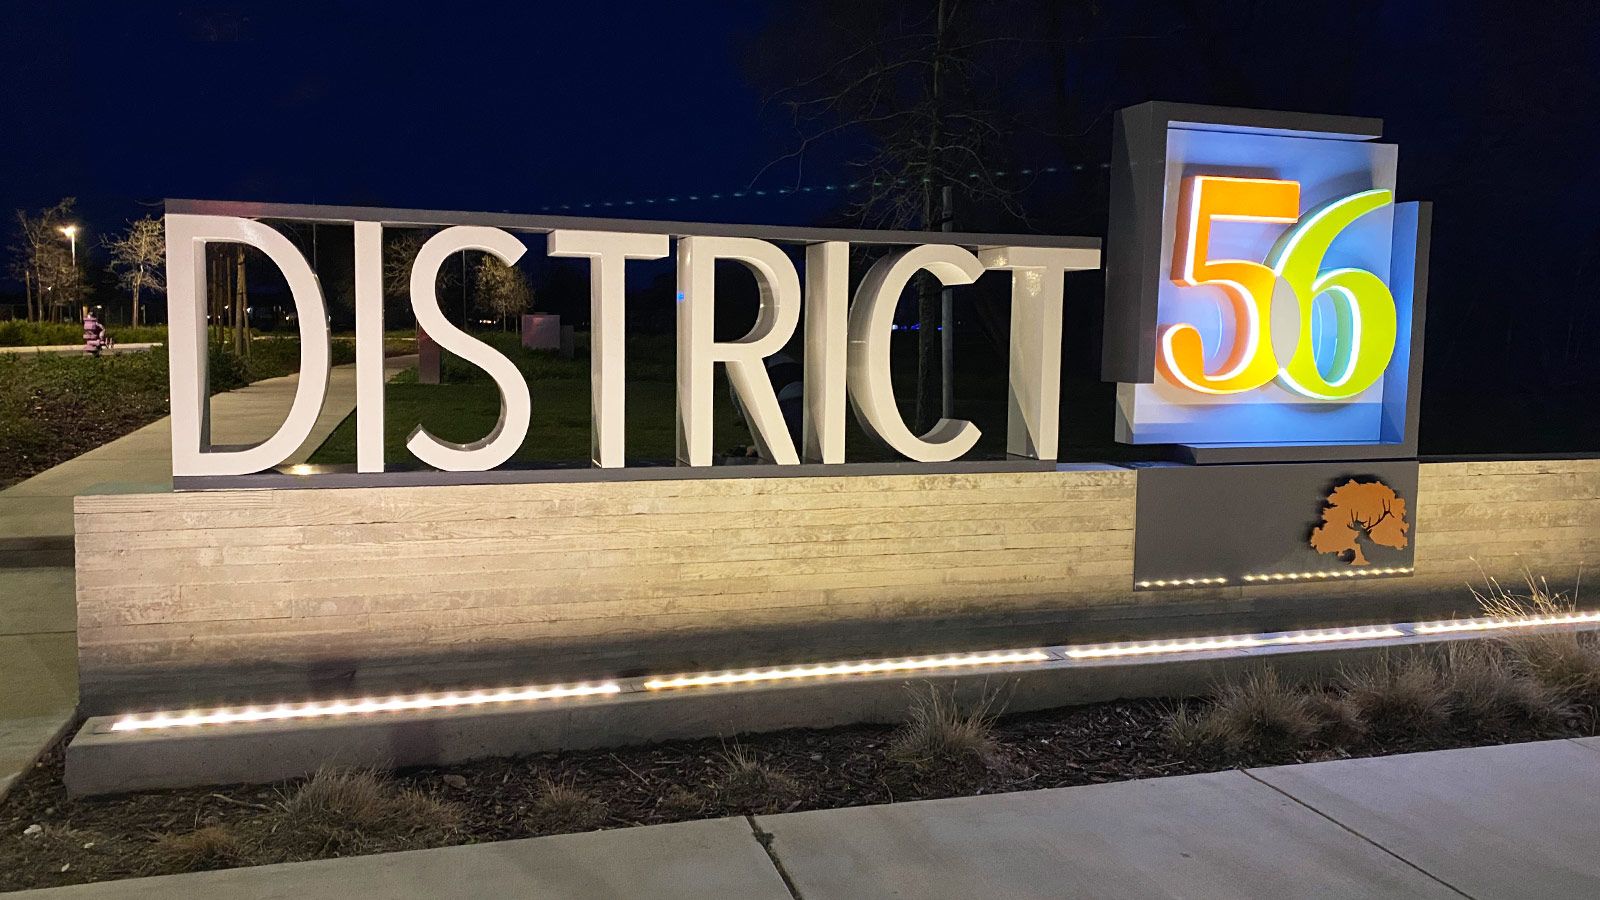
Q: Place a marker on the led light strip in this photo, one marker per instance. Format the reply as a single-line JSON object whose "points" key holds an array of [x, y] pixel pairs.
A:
{"points": [[1329, 574], [1233, 642], [1152, 648], [1179, 582], [334, 708], [358, 707], [1496, 623], [875, 667]]}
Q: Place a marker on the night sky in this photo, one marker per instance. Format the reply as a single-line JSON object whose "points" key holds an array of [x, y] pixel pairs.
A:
{"points": [[394, 104], [529, 107]]}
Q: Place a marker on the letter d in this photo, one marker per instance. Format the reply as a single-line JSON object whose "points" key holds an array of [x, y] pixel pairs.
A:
{"points": [[186, 345]]}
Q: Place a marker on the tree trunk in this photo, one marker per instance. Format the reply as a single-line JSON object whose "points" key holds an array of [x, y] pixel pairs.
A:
{"points": [[27, 290], [138, 281], [928, 352], [241, 299], [214, 297]]}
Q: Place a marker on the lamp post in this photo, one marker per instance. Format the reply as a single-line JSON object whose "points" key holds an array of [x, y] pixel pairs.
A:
{"points": [[71, 231]]}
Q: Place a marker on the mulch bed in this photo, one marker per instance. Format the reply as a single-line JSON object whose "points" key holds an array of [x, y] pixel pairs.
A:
{"points": [[110, 837]]}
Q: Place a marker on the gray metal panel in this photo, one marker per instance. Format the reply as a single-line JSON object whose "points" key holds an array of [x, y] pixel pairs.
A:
{"points": [[1232, 521], [1419, 316], [1223, 454], [543, 223], [1203, 117], [1133, 246]]}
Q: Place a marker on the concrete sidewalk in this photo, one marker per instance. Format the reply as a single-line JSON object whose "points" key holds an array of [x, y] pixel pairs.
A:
{"points": [[38, 619], [1518, 821]]}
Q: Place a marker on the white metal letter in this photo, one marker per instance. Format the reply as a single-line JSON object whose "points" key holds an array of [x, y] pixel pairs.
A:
{"points": [[698, 353], [610, 251], [187, 236], [369, 346], [503, 440], [1033, 425], [871, 321], [827, 335]]}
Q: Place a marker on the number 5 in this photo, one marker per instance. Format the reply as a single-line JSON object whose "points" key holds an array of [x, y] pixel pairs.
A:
{"points": [[1247, 285]]}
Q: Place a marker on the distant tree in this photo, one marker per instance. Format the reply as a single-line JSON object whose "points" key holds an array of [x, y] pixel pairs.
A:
{"points": [[139, 259], [228, 295], [917, 80], [41, 258], [1357, 511], [400, 250], [502, 290]]}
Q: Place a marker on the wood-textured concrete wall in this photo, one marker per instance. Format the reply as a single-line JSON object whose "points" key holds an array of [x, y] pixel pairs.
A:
{"points": [[211, 596], [1506, 519]]}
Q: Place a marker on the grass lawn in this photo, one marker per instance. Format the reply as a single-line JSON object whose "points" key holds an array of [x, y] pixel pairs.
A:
{"points": [[54, 407], [465, 412], [465, 405]]}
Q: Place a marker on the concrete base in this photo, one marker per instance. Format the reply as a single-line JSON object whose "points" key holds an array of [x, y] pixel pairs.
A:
{"points": [[101, 761]]}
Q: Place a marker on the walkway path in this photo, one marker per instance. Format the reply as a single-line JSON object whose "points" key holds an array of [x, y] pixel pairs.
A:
{"points": [[38, 625], [1518, 821]]}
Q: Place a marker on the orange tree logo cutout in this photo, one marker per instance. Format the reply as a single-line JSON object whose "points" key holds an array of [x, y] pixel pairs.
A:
{"points": [[1360, 511]]}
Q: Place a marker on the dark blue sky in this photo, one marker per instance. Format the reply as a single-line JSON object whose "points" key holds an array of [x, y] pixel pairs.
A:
{"points": [[530, 106], [480, 106]]}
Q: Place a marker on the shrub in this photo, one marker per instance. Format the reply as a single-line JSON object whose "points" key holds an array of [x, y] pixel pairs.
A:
{"points": [[1405, 697], [748, 785], [357, 810], [1339, 723], [1563, 662], [1260, 715], [1193, 733], [562, 807], [211, 847], [21, 333], [1488, 693], [679, 802], [939, 733]]}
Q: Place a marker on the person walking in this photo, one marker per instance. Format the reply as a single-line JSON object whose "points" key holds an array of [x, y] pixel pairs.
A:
{"points": [[95, 337]]}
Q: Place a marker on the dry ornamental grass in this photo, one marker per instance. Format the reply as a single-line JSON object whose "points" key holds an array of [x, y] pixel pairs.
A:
{"points": [[563, 807], [1472, 692], [753, 787]]}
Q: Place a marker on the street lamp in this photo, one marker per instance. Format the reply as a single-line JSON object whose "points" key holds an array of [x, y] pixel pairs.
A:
{"points": [[71, 231]]}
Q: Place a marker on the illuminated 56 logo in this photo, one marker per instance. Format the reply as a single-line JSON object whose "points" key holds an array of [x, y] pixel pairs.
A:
{"points": [[1271, 302]]}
